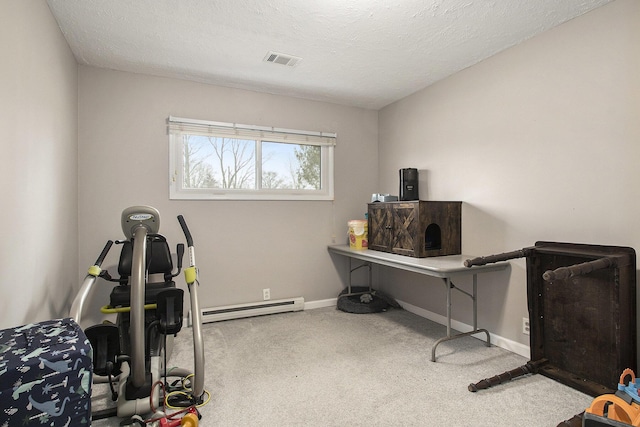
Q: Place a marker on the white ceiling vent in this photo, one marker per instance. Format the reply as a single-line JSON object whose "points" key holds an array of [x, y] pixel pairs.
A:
{"points": [[282, 59]]}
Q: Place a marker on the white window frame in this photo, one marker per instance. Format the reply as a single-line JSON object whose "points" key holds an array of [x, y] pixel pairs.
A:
{"points": [[178, 127]]}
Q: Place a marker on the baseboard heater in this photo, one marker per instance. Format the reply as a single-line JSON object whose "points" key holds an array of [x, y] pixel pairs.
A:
{"points": [[217, 314]]}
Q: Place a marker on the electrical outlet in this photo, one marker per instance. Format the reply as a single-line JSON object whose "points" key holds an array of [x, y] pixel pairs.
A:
{"points": [[266, 294], [525, 325]]}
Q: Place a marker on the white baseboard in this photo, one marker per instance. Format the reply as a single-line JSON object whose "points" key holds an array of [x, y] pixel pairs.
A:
{"points": [[497, 340], [259, 308], [331, 302]]}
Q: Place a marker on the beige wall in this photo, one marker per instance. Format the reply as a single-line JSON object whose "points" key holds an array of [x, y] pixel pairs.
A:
{"points": [[541, 142], [241, 246], [38, 121]]}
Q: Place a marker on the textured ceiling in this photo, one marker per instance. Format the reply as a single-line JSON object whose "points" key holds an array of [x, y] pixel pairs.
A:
{"points": [[365, 53]]}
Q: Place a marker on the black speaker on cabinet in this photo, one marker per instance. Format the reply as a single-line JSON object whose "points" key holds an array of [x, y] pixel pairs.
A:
{"points": [[409, 184]]}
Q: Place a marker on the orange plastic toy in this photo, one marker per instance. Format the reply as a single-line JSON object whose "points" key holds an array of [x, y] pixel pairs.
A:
{"points": [[189, 420], [623, 406]]}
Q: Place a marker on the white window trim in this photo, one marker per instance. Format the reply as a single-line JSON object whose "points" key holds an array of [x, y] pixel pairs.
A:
{"points": [[177, 126]]}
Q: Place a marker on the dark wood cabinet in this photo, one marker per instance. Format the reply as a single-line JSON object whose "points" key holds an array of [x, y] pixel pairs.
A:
{"points": [[416, 228]]}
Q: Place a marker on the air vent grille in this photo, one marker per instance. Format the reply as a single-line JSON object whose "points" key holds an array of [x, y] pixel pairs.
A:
{"points": [[282, 59]]}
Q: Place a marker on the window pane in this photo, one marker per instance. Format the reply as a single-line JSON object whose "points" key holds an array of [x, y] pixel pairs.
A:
{"points": [[213, 161], [217, 162], [290, 166]]}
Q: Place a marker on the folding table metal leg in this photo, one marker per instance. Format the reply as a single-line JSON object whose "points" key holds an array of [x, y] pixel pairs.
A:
{"points": [[351, 270], [475, 330]]}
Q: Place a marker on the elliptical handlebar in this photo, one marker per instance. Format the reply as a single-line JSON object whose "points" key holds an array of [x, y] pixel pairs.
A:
{"points": [[190, 273], [104, 253], [185, 230], [85, 289], [191, 277]]}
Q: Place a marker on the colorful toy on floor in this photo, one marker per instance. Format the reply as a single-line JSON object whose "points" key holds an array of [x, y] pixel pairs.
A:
{"points": [[619, 409], [190, 419]]}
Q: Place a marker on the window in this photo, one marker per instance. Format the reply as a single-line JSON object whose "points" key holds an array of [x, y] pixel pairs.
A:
{"points": [[226, 161]]}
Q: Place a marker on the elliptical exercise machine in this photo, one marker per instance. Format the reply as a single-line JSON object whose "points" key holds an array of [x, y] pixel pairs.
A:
{"points": [[149, 312]]}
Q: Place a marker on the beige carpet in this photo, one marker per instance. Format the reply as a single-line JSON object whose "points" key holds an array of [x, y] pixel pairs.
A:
{"points": [[325, 367]]}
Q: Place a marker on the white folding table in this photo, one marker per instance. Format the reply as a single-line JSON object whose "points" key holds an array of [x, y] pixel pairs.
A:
{"points": [[444, 267]]}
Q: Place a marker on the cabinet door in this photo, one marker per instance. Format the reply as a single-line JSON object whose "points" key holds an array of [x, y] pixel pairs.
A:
{"points": [[406, 226], [380, 227]]}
